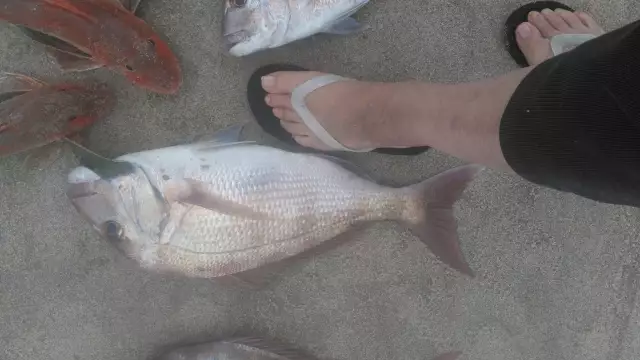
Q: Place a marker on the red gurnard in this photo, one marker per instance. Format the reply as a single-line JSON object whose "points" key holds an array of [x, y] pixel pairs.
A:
{"points": [[105, 32], [34, 114]]}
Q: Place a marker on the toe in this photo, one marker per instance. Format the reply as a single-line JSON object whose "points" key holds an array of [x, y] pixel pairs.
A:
{"points": [[287, 115], [279, 101], [530, 41], [555, 20], [590, 23], [295, 128], [572, 20], [540, 22], [284, 82]]}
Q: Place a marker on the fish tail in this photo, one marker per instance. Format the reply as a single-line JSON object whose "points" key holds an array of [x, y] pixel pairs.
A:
{"points": [[431, 215]]}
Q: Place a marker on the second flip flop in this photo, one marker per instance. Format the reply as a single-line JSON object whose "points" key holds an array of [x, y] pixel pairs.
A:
{"points": [[559, 43]]}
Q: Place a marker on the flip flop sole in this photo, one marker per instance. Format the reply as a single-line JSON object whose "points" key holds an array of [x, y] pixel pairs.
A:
{"points": [[519, 16], [271, 124]]}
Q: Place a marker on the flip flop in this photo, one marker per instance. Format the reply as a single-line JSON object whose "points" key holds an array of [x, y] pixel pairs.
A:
{"points": [[559, 43], [263, 113]]}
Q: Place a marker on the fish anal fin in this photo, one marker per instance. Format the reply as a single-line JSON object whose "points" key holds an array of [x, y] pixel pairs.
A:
{"points": [[347, 26], [271, 346], [194, 192]]}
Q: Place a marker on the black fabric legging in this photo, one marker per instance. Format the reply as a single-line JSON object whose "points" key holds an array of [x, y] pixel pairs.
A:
{"points": [[573, 124]]}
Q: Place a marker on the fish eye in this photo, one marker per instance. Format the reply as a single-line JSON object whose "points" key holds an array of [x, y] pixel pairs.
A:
{"points": [[238, 3], [113, 230], [151, 42], [129, 67]]}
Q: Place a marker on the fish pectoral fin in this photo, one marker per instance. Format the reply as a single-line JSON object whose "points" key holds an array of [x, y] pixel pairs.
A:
{"points": [[194, 192], [271, 346], [347, 26], [16, 84], [71, 62], [53, 42]]}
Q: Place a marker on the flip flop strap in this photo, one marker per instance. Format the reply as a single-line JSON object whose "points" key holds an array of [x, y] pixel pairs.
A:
{"points": [[298, 101], [565, 42]]}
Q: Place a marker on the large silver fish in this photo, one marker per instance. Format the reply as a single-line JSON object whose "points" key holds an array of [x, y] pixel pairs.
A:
{"points": [[249, 349], [224, 207], [253, 25]]}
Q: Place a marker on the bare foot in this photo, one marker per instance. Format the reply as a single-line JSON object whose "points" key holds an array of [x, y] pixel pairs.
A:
{"points": [[353, 112], [534, 36]]}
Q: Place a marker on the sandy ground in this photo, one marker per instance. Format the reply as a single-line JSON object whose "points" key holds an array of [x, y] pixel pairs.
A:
{"points": [[557, 277]]}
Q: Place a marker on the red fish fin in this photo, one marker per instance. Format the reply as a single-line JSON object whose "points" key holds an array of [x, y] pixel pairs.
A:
{"points": [[438, 228], [449, 356], [17, 83], [72, 8], [52, 42], [72, 63]]}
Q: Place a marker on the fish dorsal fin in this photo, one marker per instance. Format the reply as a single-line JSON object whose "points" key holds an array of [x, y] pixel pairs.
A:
{"points": [[102, 166], [270, 346], [229, 136], [449, 356], [348, 165], [194, 192]]}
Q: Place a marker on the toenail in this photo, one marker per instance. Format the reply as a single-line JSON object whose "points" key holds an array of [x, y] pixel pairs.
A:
{"points": [[534, 14], [267, 99], [278, 112], [268, 81], [524, 30], [547, 11]]}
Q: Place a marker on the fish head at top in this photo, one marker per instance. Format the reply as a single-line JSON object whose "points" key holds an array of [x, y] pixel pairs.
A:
{"points": [[254, 25]]}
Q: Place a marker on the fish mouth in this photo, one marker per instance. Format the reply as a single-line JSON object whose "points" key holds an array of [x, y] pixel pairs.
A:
{"points": [[90, 203], [235, 38]]}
